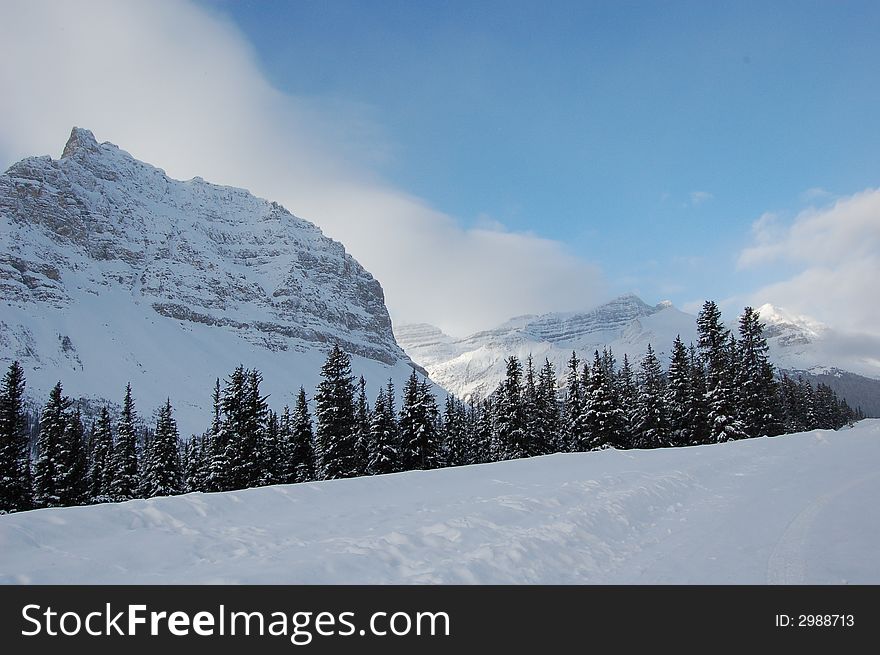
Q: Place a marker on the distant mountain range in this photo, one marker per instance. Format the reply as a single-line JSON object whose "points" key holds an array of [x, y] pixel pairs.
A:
{"points": [[111, 272], [626, 325]]}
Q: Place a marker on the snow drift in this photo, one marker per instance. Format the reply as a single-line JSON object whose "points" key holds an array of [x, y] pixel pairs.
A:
{"points": [[793, 509]]}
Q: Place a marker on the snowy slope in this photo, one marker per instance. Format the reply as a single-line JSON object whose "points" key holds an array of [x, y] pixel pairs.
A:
{"points": [[475, 364], [110, 271], [794, 509]]}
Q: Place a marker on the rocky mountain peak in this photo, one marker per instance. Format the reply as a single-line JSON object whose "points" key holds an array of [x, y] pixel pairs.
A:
{"points": [[112, 271], [80, 139]]}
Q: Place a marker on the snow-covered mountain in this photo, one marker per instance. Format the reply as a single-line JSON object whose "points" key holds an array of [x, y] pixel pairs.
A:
{"points": [[110, 271], [795, 509], [627, 324]]}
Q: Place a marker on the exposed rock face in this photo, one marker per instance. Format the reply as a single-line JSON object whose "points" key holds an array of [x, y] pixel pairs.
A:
{"points": [[99, 224], [217, 254]]}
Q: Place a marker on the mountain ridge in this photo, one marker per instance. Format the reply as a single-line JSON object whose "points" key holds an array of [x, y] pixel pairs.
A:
{"points": [[475, 364], [103, 252]]}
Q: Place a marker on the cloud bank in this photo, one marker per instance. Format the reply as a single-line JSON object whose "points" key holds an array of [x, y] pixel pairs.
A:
{"points": [[834, 253], [180, 87]]}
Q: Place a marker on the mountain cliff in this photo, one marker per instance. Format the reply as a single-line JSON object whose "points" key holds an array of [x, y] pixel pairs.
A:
{"points": [[110, 271]]}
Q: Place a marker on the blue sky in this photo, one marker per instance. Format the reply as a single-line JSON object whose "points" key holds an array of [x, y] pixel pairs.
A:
{"points": [[648, 136], [490, 159]]}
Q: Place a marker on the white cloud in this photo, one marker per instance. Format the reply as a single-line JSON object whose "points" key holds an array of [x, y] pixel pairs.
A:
{"points": [[179, 86], [835, 254]]}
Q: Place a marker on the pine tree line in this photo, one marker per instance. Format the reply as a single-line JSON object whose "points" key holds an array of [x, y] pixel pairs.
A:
{"points": [[720, 389]]}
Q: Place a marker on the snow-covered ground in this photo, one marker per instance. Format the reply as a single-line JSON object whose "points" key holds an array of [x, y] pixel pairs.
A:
{"points": [[794, 509]]}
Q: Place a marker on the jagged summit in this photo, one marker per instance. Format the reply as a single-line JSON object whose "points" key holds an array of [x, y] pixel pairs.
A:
{"points": [[79, 139], [110, 271]]}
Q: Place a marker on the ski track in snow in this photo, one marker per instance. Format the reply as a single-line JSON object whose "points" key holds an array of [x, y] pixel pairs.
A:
{"points": [[707, 514], [788, 562]]}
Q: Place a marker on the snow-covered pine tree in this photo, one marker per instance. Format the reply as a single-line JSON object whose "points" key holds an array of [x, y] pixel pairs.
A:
{"points": [[719, 358], [603, 417], [419, 436], [302, 441], [285, 445], [243, 427], [385, 457], [50, 463], [271, 457], [627, 392], [363, 441], [651, 419], [101, 469], [15, 459], [257, 416], [774, 420], [216, 462], [454, 432], [162, 476], [700, 431], [549, 410], [827, 407], [484, 431], [679, 396], [73, 483], [756, 381], [576, 434], [534, 428], [792, 420], [509, 416], [125, 461], [808, 404], [336, 440], [193, 464]]}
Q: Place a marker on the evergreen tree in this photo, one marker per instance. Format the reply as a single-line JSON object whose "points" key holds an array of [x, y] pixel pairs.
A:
{"points": [[755, 390], [49, 467], [701, 434], [534, 427], [285, 446], [719, 357], [15, 459], [194, 463], [364, 444], [455, 444], [302, 452], [385, 457], [551, 440], [243, 428], [509, 417], [335, 413], [484, 430], [651, 418], [576, 432], [793, 416], [603, 416], [810, 419], [73, 483], [217, 447], [162, 475], [272, 461], [627, 393], [101, 471], [125, 462], [420, 441], [678, 396]]}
